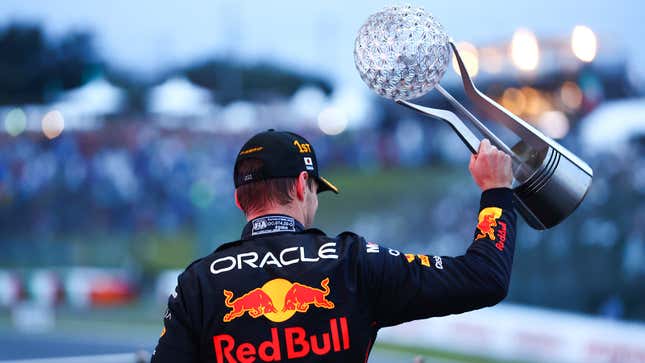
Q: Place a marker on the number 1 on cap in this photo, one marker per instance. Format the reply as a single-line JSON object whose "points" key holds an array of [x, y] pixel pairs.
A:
{"points": [[303, 148]]}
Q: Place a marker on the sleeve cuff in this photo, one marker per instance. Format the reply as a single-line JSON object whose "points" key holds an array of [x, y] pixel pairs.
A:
{"points": [[497, 197]]}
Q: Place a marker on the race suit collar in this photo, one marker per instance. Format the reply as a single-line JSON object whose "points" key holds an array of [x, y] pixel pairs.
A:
{"points": [[271, 223]]}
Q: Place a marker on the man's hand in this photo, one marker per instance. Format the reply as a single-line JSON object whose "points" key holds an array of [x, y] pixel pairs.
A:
{"points": [[490, 167]]}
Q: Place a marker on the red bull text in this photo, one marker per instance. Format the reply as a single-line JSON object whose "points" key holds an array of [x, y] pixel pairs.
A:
{"points": [[501, 236], [297, 342]]}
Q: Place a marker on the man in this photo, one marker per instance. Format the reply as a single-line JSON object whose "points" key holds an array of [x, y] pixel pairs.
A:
{"points": [[286, 291]]}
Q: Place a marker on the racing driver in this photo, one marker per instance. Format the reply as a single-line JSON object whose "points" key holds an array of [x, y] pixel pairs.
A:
{"points": [[288, 292]]}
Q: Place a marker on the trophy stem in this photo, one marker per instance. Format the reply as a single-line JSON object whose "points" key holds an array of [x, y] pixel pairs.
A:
{"points": [[478, 124], [464, 133]]}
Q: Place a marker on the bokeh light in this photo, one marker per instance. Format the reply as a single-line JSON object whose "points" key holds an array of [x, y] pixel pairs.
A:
{"points": [[491, 59], [554, 124], [571, 95], [15, 121], [584, 43], [308, 101], [332, 120], [202, 194], [514, 100], [525, 51], [53, 124], [354, 103], [591, 86], [239, 116], [469, 56], [536, 102]]}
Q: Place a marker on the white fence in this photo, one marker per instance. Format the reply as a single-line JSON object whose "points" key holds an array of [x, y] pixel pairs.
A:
{"points": [[527, 334]]}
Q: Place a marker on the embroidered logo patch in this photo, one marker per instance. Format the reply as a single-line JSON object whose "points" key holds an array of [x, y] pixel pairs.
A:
{"points": [[487, 222]]}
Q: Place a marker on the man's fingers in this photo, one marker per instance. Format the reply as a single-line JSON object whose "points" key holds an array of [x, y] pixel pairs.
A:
{"points": [[488, 155], [490, 167], [484, 146], [500, 158]]}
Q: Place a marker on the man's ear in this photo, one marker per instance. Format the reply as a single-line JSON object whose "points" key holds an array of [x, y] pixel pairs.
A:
{"points": [[301, 185], [237, 201]]}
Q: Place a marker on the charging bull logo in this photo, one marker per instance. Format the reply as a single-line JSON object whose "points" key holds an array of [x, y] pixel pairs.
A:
{"points": [[487, 221], [277, 300], [300, 296], [256, 302]]}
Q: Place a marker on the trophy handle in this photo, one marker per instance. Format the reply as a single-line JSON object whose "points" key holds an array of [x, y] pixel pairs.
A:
{"points": [[478, 124], [464, 133], [521, 128]]}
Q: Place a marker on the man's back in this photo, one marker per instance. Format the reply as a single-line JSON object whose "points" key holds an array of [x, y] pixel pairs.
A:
{"points": [[298, 294], [284, 292], [276, 296]]}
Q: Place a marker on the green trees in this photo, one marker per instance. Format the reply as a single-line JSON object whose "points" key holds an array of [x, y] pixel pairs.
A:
{"points": [[230, 80], [35, 68]]}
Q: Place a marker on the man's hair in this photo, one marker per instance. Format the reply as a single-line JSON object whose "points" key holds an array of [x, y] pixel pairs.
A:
{"points": [[260, 194]]}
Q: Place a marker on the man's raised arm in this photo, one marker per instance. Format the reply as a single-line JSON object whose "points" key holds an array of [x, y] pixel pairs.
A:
{"points": [[406, 287]]}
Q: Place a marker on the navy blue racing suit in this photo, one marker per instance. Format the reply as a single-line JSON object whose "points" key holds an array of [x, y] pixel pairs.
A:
{"points": [[283, 292]]}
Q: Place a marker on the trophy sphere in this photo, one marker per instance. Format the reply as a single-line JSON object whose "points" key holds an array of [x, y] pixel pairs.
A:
{"points": [[401, 52]]}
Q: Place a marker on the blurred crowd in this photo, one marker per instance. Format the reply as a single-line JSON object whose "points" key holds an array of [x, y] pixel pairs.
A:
{"points": [[139, 176], [119, 178], [133, 178]]}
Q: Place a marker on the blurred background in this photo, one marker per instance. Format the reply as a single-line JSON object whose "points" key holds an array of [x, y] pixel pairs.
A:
{"points": [[120, 120]]}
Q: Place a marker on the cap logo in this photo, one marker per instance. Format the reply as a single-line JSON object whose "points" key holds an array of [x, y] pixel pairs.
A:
{"points": [[309, 163], [303, 148], [251, 150]]}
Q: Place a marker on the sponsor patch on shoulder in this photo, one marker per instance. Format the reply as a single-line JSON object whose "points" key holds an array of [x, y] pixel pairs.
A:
{"points": [[487, 221], [438, 262], [372, 247]]}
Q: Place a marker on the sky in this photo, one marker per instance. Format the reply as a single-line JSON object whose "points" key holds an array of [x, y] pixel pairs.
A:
{"points": [[149, 36]]}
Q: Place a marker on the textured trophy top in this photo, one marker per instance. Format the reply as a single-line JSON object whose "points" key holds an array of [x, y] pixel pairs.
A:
{"points": [[401, 52]]}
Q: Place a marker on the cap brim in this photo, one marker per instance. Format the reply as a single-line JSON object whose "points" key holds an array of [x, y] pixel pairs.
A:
{"points": [[324, 185]]}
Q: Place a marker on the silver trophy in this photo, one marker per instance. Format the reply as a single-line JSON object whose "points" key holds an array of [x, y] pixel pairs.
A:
{"points": [[402, 53]]}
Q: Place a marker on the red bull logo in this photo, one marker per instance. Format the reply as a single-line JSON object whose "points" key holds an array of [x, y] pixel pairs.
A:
{"points": [[278, 300], [487, 221], [256, 302], [300, 296]]}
